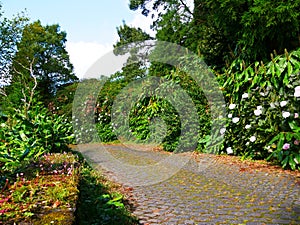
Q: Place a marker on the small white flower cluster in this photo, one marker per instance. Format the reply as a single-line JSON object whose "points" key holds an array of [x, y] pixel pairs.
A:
{"points": [[222, 130], [297, 92], [229, 150], [286, 114], [258, 110], [230, 115], [232, 106], [245, 95]]}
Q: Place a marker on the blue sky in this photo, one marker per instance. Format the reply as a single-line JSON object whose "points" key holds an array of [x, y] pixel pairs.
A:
{"points": [[90, 25]]}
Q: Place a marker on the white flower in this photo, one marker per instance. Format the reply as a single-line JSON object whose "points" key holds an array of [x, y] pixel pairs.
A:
{"points": [[230, 115], [257, 112], [253, 139], [248, 126], [297, 91], [259, 107], [296, 115], [286, 114], [235, 119], [232, 106], [229, 150], [245, 95], [283, 103], [222, 130]]}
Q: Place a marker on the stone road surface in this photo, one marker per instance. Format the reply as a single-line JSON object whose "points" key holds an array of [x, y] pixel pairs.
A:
{"points": [[201, 191]]}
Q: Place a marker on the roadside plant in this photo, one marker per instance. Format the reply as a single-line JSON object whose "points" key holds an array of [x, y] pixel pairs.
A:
{"points": [[28, 136], [267, 105]]}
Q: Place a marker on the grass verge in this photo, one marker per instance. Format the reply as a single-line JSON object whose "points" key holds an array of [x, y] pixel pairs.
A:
{"points": [[41, 192], [61, 189], [100, 201]]}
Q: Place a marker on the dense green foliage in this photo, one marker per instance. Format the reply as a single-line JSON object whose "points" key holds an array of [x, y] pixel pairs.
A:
{"points": [[34, 64], [221, 30], [264, 100], [147, 102], [24, 137], [62, 102]]}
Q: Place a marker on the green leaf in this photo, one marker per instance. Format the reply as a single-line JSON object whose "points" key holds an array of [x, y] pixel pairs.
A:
{"points": [[294, 126], [285, 161], [292, 163], [23, 136], [290, 69], [25, 154], [286, 79]]}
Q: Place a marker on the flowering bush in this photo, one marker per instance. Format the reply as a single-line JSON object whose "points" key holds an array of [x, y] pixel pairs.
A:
{"points": [[263, 110]]}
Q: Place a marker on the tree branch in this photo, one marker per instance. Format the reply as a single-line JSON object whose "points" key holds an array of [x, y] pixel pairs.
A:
{"points": [[35, 84], [32, 90], [186, 7]]}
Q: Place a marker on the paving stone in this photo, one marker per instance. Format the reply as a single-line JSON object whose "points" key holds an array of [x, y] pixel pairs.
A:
{"points": [[221, 194]]}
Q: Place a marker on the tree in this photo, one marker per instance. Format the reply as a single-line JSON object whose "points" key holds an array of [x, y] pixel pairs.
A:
{"points": [[10, 35], [44, 47], [220, 31], [134, 68]]}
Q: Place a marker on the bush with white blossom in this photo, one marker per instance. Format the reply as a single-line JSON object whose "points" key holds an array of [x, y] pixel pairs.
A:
{"points": [[263, 114]]}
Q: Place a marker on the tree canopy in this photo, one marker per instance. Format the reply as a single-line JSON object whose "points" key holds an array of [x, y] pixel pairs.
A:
{"points": [[41, 49], [222, 30], [10, 35]]}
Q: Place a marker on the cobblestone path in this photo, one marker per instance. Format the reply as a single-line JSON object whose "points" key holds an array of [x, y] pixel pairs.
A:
{"points": [[200, 192]]}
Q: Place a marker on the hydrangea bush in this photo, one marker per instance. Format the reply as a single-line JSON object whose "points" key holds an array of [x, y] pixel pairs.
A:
{"points": [[263, 110]]}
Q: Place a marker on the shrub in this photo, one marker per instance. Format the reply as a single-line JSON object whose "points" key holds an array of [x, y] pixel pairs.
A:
{"points": [[26, 136], [263, 110]]}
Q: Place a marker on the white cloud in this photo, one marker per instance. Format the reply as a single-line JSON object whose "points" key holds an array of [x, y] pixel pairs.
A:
{"points": [[143, 22], [84, 54]]}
